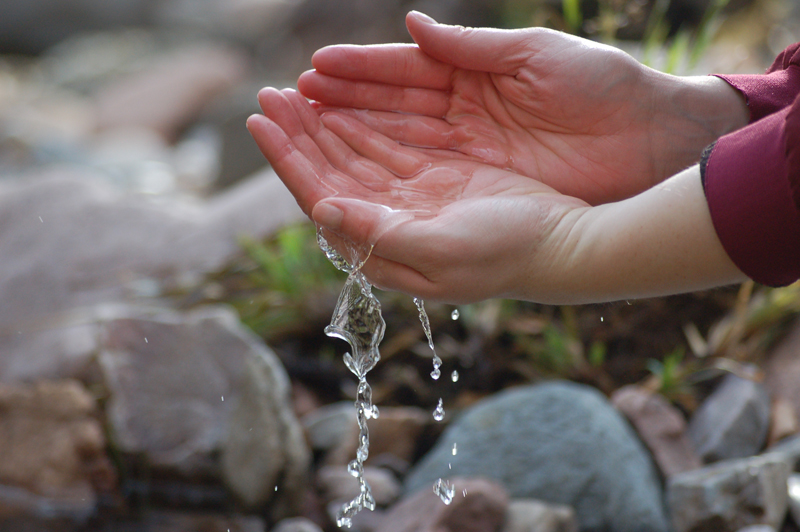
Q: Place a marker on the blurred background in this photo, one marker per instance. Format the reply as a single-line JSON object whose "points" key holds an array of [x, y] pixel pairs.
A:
{"points": [[162, 301]]}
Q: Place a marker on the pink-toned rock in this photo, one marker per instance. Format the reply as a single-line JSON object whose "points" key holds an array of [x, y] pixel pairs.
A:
{"points": [[337, 484], [169, 94], [52, 449], [479, 505], [395, 432], [782, 422], [531, 515], [660, 426]]}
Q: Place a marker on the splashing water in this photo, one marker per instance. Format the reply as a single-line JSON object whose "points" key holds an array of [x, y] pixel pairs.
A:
{"points": [[357, 320], [444, 490], [438, 414], [426, 326]]}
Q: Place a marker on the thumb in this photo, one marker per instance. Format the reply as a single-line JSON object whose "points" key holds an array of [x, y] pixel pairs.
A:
{"points": [[357, 220], [483, 49]]}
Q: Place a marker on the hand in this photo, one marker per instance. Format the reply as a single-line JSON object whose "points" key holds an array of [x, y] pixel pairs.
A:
{"points": [[581, 117], [444, 226]]}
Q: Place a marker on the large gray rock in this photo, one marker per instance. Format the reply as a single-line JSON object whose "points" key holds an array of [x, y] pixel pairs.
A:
{"points": [[70, 242], [198, 396], [732, 422], [730, 495], [558, 442]]}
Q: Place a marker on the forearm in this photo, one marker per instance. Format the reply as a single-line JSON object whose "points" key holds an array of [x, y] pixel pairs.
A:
{"points": [[657, 243], [688, 114]]}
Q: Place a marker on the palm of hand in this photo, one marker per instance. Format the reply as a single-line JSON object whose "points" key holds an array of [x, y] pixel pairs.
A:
{"points": [[453, 224]]}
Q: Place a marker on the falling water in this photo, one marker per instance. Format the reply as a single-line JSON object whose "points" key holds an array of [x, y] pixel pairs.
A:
{"points": [[357, 320]]}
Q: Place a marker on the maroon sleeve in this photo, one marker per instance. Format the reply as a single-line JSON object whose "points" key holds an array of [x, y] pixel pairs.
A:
{"points": [[773, 91], [752, 183]]}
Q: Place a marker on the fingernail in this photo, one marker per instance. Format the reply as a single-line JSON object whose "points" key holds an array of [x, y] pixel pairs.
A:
{"points": [[328, 216], [423, 17]]}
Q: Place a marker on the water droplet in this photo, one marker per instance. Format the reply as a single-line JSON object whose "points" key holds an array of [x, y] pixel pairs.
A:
{"points": [[455, 449], [454, 315], [449, 466], [444, 490], [145, 340], [601, 318], [464, 493], [40, 219], [436, 373], [223, 397], [276, 488], [438, 414], [454, 376]]}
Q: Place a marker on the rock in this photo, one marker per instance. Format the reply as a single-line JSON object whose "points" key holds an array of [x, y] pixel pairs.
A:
{"points": [[241, 20], [171, 521], [394, 433], [297, 524], [558, 442], [32, 26], [787, 449], [782, 422], [793, 485], [337, 484], [169, 94], [52, 456], [782, 369], [729, 495], [70, 241], [199, 396], [479, 505], [529, 515], [732, 422], [329, 426], [661, 427]]}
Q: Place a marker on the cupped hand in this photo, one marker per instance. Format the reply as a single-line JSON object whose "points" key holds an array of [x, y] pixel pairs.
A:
{"points": [[581, 117], [443, 225]]}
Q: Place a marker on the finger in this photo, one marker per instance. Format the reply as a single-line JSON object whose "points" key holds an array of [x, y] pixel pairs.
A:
{"points": [[400, 160], [393, 64], [277, 107], [410, 130], [360, 221], [333, 149], [482, 49], [299, 175], [370, 95]]}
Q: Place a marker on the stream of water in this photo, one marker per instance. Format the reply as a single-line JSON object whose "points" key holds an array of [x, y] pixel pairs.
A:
{"points": [[357, 320]]}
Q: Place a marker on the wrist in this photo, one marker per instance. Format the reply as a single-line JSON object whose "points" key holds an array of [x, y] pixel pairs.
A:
{"points": [[658, 243], [690, 113]]}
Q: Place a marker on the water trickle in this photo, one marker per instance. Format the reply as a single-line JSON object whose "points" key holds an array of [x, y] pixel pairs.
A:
{"points": [[357, 320], [454, 315], [444, 490], [454, 376], [426, 326], [438, 414]]}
